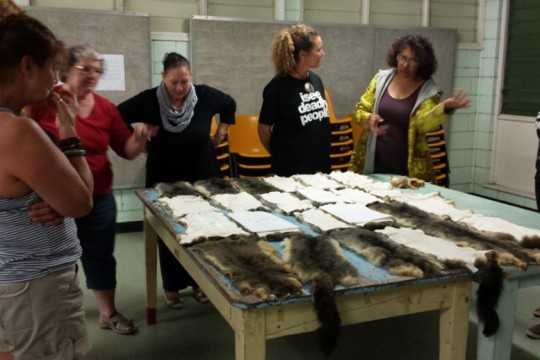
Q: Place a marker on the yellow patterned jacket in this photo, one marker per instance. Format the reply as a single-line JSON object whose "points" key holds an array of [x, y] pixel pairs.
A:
{"points": [[426, 115]]}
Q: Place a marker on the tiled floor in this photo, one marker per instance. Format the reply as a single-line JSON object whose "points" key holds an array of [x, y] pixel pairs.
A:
{"points": [[198, 332]]}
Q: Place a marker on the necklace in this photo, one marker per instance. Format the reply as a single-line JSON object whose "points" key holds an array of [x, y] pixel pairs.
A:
{"points": [[6, 109], [308, 86]]}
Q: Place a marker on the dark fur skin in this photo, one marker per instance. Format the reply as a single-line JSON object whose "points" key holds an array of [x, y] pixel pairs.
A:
{"points": [[436, 226], [252, 265], [379, 249], [531, 242], [488, 293], [327, 313], [175, 189], [253, 186], [319, 260], [215, 186]]}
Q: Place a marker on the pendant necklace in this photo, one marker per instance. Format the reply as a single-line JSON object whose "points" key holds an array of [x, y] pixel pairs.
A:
{"points": [[307, 86]]}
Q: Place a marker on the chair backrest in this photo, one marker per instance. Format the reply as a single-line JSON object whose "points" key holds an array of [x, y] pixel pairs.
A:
{"points": [[244, 136]]}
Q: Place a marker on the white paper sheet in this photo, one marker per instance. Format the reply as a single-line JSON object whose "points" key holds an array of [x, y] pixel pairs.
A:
{"points": [[261, 221], [354, 213]]}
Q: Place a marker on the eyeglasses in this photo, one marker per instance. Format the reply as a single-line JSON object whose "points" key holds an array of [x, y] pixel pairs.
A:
{"points": [[404, 59], [88, 70]]}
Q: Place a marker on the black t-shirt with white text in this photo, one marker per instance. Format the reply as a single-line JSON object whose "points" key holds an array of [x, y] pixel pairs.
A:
{"points": [[301, 134]]}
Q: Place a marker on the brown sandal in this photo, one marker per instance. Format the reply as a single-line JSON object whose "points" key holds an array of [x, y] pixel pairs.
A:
{"points": [[118, 323]]}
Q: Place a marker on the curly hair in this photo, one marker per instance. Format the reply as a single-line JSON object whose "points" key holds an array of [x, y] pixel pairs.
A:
{"points": [[423, 52], [8, 7], [288, 44]]}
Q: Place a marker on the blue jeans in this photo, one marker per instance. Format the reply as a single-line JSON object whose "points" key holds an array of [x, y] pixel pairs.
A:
{"points": [[96, 233]]}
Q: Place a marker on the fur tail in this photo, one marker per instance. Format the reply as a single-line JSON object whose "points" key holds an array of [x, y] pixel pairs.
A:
{"points": [[488, 293], [327, 313]]}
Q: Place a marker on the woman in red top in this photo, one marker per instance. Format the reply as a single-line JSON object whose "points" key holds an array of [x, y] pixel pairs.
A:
{"points": [[100, 126]]}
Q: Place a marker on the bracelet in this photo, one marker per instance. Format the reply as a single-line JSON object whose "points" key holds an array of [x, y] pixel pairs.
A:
{"points": [[74, 152], [69, 143]]}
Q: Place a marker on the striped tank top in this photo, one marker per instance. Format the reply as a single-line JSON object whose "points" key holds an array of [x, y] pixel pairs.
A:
{"points": [[30, 250]]}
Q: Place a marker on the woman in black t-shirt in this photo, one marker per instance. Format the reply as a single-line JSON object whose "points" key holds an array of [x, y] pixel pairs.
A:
{"points": [[294, 124]]}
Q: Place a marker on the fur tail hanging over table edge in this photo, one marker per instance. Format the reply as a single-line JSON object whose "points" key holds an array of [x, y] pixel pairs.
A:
{"points": [[488, 293], [327, 313]]}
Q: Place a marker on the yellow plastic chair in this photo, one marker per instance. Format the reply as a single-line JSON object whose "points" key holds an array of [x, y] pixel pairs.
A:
{"points": [[249, 154]]}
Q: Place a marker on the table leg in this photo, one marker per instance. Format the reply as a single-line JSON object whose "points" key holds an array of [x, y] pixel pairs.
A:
{"points": [[151, 271], [249, 332], [499, 346], [454, 324]]}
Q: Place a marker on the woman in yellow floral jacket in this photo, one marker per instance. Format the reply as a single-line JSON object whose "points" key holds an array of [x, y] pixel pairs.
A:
{"points": [[399, 106]]}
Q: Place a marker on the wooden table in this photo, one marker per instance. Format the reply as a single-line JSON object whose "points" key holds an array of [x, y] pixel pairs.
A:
{"points": [[254, 321], [498, 346]]}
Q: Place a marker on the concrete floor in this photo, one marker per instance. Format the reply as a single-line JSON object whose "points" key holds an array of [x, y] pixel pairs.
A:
{"points": [[198, 332]]}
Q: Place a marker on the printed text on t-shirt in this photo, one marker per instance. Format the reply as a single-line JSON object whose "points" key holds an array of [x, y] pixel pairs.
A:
{"points": [[312, 107]]}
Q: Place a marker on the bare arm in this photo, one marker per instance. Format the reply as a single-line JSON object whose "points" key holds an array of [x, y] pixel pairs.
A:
{"points": [[137, 142], [220, 134], [265, 133], [33, 162]]}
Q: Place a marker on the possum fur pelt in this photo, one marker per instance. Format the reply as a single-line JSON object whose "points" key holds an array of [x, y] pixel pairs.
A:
{"points": [[175, 189], [252, 265], [253, 186], [215, 186], [461, 234], [399, 259], [488, 293], [320, 261]]}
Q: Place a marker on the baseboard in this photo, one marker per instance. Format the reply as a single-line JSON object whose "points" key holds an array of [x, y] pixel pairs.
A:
{"points": [[130, 226]]}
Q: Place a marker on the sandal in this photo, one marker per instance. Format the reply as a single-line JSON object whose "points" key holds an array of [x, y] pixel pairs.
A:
{"points": [[536, 312], [175, 304], [200, 297], [118, 323]]}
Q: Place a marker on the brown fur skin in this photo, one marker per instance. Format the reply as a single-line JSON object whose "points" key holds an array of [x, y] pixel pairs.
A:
{"points": [[380, 250], [531, 242], [319, 260], [215, 186], [461, 234], [489, 291], [175, 189], [252, 265], [253, 186]]}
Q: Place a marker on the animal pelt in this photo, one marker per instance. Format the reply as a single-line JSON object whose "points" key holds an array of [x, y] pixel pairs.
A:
{"points": [[320, 261], [215, 186], [175, 189], [531, 242], [461, 234], [380, 250], [252, 265], [489, 291], [253, 186], [405, 182]]}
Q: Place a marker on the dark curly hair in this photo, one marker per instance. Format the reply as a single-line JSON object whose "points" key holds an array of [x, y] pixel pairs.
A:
{"points": [[423, 52]]}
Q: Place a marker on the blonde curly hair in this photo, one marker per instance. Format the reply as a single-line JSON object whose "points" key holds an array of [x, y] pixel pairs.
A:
{"points": [[8, 7], [288, 44]]}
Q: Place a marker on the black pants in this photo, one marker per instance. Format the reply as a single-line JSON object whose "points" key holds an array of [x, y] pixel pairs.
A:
{"points": [[174, 276]]}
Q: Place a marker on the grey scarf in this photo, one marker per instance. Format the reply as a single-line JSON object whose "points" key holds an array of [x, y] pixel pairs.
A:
{"points": [[175, 120]]}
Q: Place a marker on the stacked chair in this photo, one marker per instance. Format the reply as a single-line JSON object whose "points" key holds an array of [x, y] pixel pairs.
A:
{"points": [[439, 155], [222, 153], [249, 156], [342, 138]]}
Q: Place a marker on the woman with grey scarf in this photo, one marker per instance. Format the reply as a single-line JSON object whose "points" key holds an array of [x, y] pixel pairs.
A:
{"points": [[183, 148]]}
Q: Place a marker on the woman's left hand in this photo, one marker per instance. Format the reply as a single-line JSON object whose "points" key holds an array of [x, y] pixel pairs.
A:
{"points": [[42, 213], [460, 100]]}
